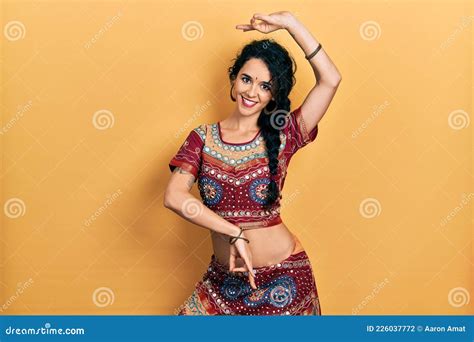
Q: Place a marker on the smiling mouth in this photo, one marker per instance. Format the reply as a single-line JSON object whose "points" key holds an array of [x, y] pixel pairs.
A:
{"points": [[248, 103]]}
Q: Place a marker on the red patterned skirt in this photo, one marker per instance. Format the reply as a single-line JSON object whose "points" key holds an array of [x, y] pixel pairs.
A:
{"points": [[287, 288]]}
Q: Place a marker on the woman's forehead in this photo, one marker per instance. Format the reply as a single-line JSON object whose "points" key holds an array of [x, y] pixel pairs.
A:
{"points": [[257, 69]]}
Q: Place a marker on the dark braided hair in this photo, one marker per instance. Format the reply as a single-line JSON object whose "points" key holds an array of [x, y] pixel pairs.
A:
{"points": [[280, 64]]}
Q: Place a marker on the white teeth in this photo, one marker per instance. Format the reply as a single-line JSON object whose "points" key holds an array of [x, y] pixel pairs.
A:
{"points": [[250, 103]]}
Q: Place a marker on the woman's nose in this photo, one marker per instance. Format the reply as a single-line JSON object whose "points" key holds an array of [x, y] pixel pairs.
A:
{"points": [[253, 90]]}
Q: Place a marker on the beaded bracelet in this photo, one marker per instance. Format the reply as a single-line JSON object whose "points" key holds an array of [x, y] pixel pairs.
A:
{"points": [[314, 52], [233, 239]]}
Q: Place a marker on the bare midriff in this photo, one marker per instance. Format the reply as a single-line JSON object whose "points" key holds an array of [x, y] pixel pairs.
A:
{"points": [[268, 245]]}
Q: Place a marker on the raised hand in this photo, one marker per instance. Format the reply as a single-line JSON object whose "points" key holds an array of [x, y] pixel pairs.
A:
{"points": [[268, 23]]}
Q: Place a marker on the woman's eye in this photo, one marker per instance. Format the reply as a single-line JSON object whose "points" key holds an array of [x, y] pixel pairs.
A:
{"points": [[245, 79]]}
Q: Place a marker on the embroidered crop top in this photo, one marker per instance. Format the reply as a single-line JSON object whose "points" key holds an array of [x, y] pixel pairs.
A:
{"points": [[232, 177]]}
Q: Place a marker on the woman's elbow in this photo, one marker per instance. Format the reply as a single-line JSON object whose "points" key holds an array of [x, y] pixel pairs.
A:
{"points": [[169, 199]]}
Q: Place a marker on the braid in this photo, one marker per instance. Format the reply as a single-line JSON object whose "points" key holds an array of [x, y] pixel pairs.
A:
{"points": [[271, 136], [271, 121]]}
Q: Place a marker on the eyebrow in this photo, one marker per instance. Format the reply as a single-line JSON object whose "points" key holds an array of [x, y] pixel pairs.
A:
{"points": [[266, 82]]}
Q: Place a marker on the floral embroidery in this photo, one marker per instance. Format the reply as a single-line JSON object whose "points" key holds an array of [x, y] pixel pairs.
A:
{"points": [[258, 190], [211, 191]]}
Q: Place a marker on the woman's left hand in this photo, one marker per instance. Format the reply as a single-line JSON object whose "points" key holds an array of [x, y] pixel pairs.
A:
{"points": [[270, 23]]}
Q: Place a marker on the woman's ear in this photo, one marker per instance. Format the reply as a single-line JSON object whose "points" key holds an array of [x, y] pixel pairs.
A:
{"points": [[231, 91]]}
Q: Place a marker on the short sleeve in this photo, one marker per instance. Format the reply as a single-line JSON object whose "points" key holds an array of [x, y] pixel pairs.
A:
{"points": [[297, 133], [189, 154]]}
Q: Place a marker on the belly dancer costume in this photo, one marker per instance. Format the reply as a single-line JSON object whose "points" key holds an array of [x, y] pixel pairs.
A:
{"points": [[232, 180]]}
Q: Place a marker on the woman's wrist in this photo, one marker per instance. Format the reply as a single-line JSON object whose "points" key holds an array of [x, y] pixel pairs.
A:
{"points": [[241, 236], [234, 230], [293, 25], [303, 37]]}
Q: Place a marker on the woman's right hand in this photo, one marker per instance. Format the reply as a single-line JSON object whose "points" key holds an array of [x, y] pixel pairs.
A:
{"points": [[240, 250]]}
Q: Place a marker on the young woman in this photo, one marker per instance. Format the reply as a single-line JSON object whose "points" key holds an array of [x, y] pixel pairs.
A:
{"points": [[258, 266]]}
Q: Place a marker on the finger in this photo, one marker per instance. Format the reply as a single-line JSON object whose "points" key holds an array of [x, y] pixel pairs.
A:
{"points": [[264, 17], [261, 27], [248, 264], [252, 281], [247, 260], [244, 27], [231, 262], [251, 276]]}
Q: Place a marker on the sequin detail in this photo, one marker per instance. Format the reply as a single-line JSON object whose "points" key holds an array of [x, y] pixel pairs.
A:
{"points": [[233, 179]]}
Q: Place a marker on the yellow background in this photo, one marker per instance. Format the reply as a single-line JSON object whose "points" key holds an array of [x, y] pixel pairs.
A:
{"points": [[83, 226]]}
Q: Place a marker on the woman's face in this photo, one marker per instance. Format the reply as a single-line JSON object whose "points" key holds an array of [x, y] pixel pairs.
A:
{"points": [[252, 87]]}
